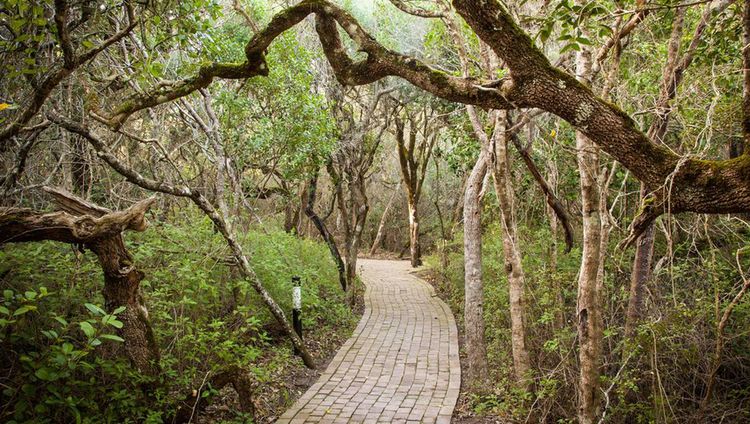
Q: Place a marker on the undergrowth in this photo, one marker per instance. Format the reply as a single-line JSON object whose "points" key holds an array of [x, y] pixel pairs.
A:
{"points": [[55, 335]]}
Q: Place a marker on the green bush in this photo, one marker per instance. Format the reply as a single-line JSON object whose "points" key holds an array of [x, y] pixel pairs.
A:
{"points": [[206, 319]]}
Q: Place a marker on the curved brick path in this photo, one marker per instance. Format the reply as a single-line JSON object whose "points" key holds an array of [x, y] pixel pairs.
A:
{"points": [[400, 365]]}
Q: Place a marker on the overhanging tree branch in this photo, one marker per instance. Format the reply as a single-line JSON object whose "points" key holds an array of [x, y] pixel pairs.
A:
{"points": [[698, 185], [22, 224]]}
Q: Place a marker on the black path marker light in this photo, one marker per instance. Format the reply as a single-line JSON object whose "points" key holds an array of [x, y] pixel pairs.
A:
{"points": [[297, 308]]}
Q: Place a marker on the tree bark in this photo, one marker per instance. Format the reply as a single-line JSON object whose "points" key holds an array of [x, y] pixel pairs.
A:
{"points": [[361, 207], [499, 163], [589, 320], [414, 248], [413, 158], [476, 350], [640, 275]]}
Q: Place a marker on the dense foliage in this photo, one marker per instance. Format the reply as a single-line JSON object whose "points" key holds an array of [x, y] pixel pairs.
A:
{"points": [[206, 321], [687, 300]]}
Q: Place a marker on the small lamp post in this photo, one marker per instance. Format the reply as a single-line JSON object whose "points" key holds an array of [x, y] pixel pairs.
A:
{"points": [[297, 308]]}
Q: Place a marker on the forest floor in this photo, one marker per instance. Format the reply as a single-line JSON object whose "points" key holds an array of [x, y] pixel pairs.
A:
{"points": [[400, 364], [289, 382]]}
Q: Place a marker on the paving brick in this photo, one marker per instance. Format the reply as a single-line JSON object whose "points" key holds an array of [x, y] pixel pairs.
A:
{"points": [[400, 364]]}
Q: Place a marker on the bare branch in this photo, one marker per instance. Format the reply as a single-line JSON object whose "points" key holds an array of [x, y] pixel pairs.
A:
{"points": [[43, 90], [406, 7]]}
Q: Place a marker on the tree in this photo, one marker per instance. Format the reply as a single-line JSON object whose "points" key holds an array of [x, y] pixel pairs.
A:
{"points": [[361, 128], [414, 148], [714, 186], [674, 71], [312, 189], [476, 348], [378, 239], [219, 220], [100, 230]]}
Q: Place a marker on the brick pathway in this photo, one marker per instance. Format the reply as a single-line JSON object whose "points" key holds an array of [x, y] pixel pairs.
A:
{"points": [[400, 365]]}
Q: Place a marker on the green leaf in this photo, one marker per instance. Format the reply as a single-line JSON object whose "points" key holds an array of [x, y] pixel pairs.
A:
{"points": [[584, 40], [88, 329], [119, 310], [46, 374], [112, 337], [115, 323], [94, 309], [571, 46], [24, 309], [4, 310]]}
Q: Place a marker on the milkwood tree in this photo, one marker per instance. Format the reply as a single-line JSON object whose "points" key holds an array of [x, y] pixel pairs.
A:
{"points": [[100, 230], [416, 132], [361, 133], [711, 186]]}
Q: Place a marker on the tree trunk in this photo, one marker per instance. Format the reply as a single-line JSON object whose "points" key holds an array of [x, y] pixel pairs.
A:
{"points": [[383, 218], [360, 205], [511, 252], [413, 167], [320, 225], [291, 217], [414, 248], [589, 314], [640, 275], [589, 320], [122, 288], [476, 351], [99, 230]]}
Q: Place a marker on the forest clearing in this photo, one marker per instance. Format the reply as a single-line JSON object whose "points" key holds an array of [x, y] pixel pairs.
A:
{"points": [[467, 211]]}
